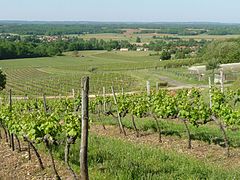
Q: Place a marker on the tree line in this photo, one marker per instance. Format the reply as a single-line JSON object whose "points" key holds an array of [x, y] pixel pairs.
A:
{"points": [[221, 52], [30, 48], [61, 28], [56, 29]]}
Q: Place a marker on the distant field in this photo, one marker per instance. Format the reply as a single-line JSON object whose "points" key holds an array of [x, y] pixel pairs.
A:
{"points": [[110, 36], [209, 37], [59, 75], [131, 36]]}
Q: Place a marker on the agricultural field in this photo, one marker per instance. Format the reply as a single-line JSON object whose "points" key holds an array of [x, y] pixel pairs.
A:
{"points": [[56, 76], [131, 36], [158, 137], [59, 75], [183, 128]]}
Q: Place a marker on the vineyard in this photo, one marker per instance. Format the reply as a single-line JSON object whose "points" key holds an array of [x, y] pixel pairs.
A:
{"points": [[119, 90], [56, 76], [33, 82], [55, 124], [183, 121]]}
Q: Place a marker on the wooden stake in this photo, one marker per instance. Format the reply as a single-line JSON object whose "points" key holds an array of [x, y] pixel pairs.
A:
{"points": [[10, 109], [73, 93], [104, 99], [44, 103], [84, 133], [210, 92], [221, 81], [148, 88], [10, 100]]}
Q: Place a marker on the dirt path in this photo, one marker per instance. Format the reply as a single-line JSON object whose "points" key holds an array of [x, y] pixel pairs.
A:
{"points": [[209, 153], [16, 166], [173, 82]]}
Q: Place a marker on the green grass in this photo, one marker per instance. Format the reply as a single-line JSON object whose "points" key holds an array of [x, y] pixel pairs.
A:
{"points": [[116, 159], [59, 75]]}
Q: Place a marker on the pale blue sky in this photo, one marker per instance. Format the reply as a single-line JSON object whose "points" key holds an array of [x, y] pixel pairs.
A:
{"points": [[122, 10]]}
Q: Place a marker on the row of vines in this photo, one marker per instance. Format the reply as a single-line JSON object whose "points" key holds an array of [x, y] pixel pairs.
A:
{"points": [[54, 122], [190, 106], [33, 82]]}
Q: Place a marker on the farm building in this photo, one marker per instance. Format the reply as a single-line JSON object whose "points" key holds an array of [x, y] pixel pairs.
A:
{"points": [[124, 49], [142, 49]]}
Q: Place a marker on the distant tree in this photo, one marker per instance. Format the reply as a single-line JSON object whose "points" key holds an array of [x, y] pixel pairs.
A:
{"points": [[227, 51], [165, 55], [138, 40], [2, 80], [52, 51], [212, 65]]}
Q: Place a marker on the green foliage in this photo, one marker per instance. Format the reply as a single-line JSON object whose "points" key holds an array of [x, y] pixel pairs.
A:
{"points": [[165, 55], [140, 105], [138, 40], [185, 29], [164, 105], [27, 119], [57, 29], [20, 49], [221, 52], [208, 133], [44, 48], [192, 107], [176, 45], [224, 107], [180, 63], [3, 80], [180, 55], [212, 64]]}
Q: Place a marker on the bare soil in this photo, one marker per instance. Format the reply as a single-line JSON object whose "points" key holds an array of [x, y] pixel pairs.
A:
{"points": [[130, 32], [14, 165]]}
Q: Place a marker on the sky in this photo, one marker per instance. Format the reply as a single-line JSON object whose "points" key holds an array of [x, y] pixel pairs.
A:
{"points": [[226, 11]]}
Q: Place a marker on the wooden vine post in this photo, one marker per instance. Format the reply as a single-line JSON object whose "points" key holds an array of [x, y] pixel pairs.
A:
{"points": [[10, 109], [73, 93], [148, 88], [222, 80], [157, 86], [84, 133], [44, 103], [210, 92], [104, 99]]}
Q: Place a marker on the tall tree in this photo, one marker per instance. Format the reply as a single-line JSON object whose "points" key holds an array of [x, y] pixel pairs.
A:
{"points": [[2, 80]]}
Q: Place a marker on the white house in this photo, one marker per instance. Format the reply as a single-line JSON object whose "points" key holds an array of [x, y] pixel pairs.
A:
{"points": [[124, 49]]}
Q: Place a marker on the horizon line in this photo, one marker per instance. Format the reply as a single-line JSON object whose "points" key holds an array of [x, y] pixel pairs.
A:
{"points": [[102, 21]]}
